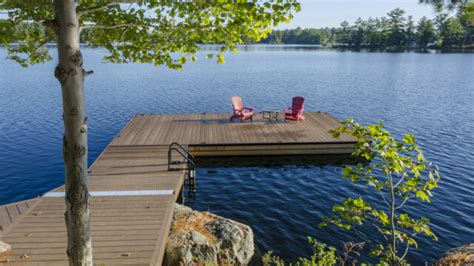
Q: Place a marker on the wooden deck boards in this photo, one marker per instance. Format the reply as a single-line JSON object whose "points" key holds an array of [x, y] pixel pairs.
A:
{"points": [[216, 129], [213, 135], [133, 229], [125, 229], [11, 213]]}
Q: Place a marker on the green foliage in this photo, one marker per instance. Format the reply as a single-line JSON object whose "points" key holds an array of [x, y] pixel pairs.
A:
{"points": [[344, 34], [425, 32], [298, 36], [441, 5], [466, 14], [22, 34], [399, 172], [451, 32], [156, 32], [395, 31], [270, 259], [32, 49], [322, 255]]}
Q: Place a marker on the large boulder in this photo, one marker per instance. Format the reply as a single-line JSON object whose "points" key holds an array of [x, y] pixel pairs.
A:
{"points": [[5, 251], [460, 256], [204, 238]]}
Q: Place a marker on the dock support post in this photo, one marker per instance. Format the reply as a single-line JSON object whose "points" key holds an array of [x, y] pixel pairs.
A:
{"points": [[192, 181]]}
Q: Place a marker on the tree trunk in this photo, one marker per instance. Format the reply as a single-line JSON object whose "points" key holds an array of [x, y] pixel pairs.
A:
{"points": [[71, 75]]}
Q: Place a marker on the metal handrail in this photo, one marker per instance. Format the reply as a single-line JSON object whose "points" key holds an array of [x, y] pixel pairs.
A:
{"points": [[186, 160], [190, 165], [182, 148], [188, 157]]}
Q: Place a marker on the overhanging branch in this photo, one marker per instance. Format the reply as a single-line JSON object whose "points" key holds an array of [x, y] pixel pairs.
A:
{"points": [[160, 26], [87, 73], [81, 11], [125, 25], [111, 26]]}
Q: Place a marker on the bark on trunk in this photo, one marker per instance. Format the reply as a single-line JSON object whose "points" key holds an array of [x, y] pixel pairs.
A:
{"points": [[70, 74]]}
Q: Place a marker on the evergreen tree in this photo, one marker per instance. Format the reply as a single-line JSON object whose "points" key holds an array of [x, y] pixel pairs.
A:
{"points": [[410, 33], [425, 32], [373, 34], [358, 32], [343, 35], [466, 17], [451, 33], [395, 31]]}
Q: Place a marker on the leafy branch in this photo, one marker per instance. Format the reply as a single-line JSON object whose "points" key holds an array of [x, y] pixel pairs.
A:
{"points": [[166, 33], [84, 11], [399, 172]]}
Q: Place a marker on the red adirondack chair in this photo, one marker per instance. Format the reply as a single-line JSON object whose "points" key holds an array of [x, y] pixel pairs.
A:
{"points": [[244, 113], [295, 112]]}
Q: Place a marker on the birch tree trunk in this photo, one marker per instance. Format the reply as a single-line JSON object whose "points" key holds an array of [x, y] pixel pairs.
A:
{"points": [[71, 75]]}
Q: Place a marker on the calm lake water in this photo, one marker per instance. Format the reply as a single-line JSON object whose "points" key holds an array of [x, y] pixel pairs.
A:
{"points": [[430, 95]]}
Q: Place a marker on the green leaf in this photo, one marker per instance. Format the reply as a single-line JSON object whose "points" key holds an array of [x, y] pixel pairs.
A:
{"points": [[220, 59], [383, 217], [409, 139], [421, 157], [377, 250], [182, 60], [334, 133], [405, 221], [359, 202], [422, 195], [412, 242]]}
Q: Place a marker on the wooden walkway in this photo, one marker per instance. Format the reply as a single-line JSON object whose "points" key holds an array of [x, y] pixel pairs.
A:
{"points": [[125, 229], [133, 192]]}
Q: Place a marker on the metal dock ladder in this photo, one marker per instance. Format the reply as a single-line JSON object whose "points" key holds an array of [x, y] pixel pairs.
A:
{"points": [[176, 165]]}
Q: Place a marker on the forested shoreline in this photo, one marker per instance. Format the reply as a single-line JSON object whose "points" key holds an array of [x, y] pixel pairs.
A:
{"points": [[396, 31]]}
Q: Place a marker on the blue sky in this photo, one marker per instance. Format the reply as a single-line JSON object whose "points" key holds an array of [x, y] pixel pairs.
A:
{"points": [[330, 13]]}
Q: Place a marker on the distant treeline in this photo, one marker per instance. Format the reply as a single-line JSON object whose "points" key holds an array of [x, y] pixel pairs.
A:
{"points": [[393, 31]]}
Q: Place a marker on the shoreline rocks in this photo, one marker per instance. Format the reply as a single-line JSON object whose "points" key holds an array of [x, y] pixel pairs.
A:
{"points": [[204, 238], [5, 251], [460, 256]]}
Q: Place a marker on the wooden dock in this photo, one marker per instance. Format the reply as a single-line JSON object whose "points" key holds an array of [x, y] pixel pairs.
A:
{"points": [[132, 191], [213, 135]]}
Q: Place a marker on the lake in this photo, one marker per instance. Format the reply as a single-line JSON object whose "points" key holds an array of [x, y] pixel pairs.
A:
{"points": [[429, 95]]}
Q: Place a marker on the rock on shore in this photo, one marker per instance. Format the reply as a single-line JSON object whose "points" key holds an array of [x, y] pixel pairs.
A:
{"points": [[204, 238], [5, 251], [460, 256]]}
